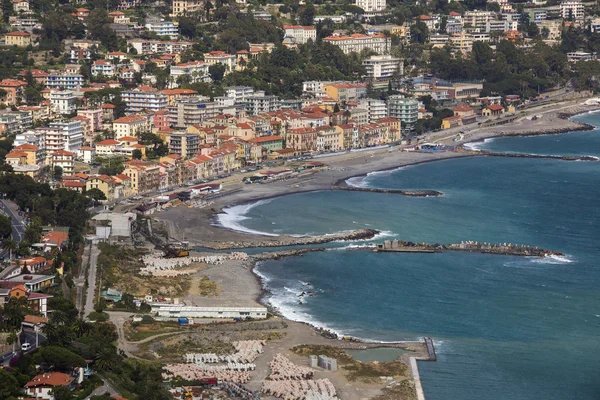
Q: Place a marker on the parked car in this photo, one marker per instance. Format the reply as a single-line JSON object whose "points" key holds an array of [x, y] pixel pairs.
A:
{"points": [[26, 346]]}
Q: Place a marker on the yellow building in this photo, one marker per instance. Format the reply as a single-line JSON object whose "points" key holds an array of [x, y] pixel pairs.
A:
{"points": [[145, 177], [17, 38], [104, 183], [34, 157], [174, 94], [131, 125]]}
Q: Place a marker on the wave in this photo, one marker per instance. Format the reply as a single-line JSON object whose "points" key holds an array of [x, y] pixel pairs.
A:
{"points": [[363, 180], [231, 218], [351, 247], [479, 145], [554, 259]]}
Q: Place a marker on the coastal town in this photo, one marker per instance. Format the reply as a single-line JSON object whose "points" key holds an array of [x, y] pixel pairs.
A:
{"points": [[130, 128]]}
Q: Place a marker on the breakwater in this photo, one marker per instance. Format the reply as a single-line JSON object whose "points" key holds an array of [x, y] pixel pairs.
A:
{"points": [[359, 234], [411, 193], [521, 155], [469, 246]]}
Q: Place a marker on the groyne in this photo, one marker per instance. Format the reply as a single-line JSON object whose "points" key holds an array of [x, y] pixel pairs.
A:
{"points": [[469, 246], [521, 155], [411, 193], [359, 234]]}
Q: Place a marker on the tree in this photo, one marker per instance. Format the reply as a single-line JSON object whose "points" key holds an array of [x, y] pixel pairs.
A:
{"points": [[11, 245], [419, 32], [62, 393], [306, 14], [96, 195], [5, 227], [98, 24], [217, 71], [9, 386], [59, 358], [81, 327], [57, 173], [136, 154]]}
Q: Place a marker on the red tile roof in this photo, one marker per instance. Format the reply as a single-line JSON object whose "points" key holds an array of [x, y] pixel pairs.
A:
{"points": [[51, 379]]}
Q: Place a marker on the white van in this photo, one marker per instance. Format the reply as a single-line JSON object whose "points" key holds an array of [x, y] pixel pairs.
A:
{"points": [[26, 346]]}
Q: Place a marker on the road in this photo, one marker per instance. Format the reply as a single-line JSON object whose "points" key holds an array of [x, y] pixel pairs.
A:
{"points": [[106, 387], [89, 299], [18, 224]]}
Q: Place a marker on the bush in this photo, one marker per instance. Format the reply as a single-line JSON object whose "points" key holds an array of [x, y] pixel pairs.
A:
{"points": [[98, 316], [146, 319]]}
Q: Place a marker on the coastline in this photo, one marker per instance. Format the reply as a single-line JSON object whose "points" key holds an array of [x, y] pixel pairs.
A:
{"points": [[343, 167]]}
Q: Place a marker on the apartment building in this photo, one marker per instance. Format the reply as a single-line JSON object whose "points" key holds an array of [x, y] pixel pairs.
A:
{"points": [[14, 90], [302, 139], [371, 5], [344, 92], [64, 135], [146, 46], [64, 81], [145, 98], [572, 10], [259, 103], [194, 71], [376, 108], [328, 139], [186, 145], [162, 27], [192, 111], [383, 67], [103, 67], [64, 102], [357, 42], [63, 159], [299, 34], [185, 7], [131, 125], [404, 109], [239, 93], [14, 122], [477, 19], [145, 176]]}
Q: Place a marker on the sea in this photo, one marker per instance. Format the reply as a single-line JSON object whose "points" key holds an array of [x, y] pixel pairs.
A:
{"points": [[504, 327]]}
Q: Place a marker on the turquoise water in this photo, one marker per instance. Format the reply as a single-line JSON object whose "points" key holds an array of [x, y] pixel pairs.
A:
{"points": [[504, 327]]}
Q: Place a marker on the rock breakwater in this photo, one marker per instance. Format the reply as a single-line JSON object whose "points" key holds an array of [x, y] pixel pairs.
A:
{"points": [[470, 246], [359, 234], [519, 155], [411, 193]]}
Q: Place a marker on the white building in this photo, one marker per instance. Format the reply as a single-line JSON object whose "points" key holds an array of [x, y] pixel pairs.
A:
{"points": [[64, 81], [260, 103], [501, 26], [376, 109], [188, 111], [103, 67], [196, 71], [146, 46], [300, 34], [183, 311], [383, 67], [63, 102], [357, 42], [144, 98], [478, 19], [70, 133], [239, 93], [220, 57], [371, 5], [572, 10], [162, 28]]}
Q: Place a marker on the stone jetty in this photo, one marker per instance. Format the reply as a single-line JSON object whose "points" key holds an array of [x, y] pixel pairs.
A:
{"points": [[276, 255], [520, 155], [411, 193], [508, 249], [281, 241]]}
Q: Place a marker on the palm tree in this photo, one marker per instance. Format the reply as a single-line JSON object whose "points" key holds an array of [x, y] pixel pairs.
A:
{"points": [[81, 327], [105, 357], [9, 244]]}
